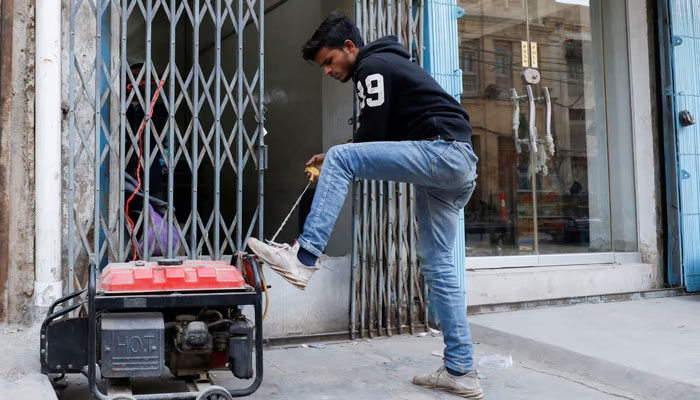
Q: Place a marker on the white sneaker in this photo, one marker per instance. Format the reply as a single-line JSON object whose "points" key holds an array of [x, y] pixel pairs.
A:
{"points": [[466, 386], [282, 258]]}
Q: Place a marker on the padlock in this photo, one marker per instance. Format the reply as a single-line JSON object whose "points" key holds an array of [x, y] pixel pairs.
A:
{"points": [[686, 118]]}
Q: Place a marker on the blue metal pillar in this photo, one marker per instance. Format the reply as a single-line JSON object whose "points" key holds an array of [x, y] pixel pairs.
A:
{"points": [[441, 60], [685, 93], [103, 65]]}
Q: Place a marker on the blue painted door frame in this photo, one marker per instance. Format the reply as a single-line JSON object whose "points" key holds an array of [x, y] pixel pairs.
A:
{"points": [[441, 60], [679, 33]]}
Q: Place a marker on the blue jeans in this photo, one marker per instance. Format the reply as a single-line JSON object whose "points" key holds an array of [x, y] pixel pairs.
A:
{"points": [[444, 174]]}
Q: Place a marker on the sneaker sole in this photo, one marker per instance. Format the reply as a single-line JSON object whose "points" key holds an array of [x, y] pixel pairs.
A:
{"points": [[475, 396]]}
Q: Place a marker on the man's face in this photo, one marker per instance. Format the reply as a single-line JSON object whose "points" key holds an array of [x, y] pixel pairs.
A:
{"points": [[337, 63]]}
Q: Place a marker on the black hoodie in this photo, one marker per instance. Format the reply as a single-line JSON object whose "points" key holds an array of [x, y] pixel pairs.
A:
{"points": [[401, 101]]}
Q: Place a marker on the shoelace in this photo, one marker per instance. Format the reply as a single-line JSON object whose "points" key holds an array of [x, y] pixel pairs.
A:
{"points": [[280, 246]]}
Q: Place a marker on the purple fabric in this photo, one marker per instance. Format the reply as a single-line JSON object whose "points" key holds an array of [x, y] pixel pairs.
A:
{"points": [[159, 247]]}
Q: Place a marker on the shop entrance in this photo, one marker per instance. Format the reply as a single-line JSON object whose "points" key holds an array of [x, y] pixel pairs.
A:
{"points": [[534, 84]]}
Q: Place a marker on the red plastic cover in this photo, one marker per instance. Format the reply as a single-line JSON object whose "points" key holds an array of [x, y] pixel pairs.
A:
{"points": [[191, 275]]}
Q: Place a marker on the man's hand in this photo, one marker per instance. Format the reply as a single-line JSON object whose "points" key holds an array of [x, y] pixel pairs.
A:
{"points": [[315, 161]]}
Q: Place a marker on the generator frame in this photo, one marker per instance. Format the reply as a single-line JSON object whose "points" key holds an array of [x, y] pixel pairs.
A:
{"points": [[98, 302]]}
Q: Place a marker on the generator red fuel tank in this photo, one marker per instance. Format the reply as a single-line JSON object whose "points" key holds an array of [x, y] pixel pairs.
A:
{"points": [[170, 276]]}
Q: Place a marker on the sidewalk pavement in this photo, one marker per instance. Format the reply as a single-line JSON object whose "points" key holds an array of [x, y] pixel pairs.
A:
{"points": [[381, 369], [639, 350], [649, 349], [19, 365]]}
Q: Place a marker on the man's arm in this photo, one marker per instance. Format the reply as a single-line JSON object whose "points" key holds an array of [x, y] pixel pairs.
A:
{"points": [[374, 95]]}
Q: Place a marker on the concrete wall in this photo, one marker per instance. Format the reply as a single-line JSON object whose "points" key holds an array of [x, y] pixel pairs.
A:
{"points": [[337, 111], [658, 145], [6, 45], [646, 166], [18, 165], [509, 285]]}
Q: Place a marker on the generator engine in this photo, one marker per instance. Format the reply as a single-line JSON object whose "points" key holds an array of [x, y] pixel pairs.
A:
{"points": [[194, 346]]}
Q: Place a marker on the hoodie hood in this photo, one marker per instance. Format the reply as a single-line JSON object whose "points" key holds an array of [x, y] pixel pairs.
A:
{"points": [[387, 44]]}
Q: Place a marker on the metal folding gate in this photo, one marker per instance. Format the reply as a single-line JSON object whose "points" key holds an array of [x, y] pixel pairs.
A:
{"points": [[684, 90], [193, 109], [388, 293]]}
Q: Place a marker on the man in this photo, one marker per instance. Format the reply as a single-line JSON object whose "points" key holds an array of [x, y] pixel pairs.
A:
{"points": [[411, 130]]}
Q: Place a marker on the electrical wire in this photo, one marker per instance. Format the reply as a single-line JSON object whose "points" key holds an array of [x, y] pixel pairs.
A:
{"points": [[267, 295], [263, 283], [146, 120]]}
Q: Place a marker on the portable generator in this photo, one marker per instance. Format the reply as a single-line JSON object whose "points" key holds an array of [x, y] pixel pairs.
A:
{"points": [[143, 317]]}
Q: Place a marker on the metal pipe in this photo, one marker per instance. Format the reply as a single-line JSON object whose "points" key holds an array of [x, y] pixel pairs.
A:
{"points": [[355, 256], [412, 267], [217, 139], [171, 134], [146, 156], [391, 256], [372, 256], [122, 134], [365, 25], [47, 281], [381, 21], [241, 131], [97, 138], [261, 119], [194, 221], [372, 26], [400, 254], [363, 261], [421, 35], [381, 302], [390, 18], [71, 152], [399, 19]]}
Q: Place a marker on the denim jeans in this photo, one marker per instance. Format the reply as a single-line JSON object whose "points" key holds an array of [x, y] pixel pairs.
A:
{"points": [[443, 173]]}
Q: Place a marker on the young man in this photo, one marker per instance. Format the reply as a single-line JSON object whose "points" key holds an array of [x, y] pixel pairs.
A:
{"points": [[412, 131]]}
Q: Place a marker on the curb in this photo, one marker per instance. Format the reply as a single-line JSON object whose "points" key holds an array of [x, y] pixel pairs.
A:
{"points": [[643, 385]]}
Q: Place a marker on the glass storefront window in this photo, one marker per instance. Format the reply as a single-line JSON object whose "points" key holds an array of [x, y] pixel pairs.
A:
{"points": [[529, 203]]}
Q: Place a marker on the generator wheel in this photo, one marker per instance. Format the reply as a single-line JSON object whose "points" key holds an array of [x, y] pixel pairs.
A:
{"points": [[215, 393]]}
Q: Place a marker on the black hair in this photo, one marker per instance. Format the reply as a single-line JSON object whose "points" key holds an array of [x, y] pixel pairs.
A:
{"points": [[332, 33], [136, 65]]}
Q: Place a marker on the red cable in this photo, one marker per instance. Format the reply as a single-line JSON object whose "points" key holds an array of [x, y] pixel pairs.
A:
{"points": [[138, 169]]}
